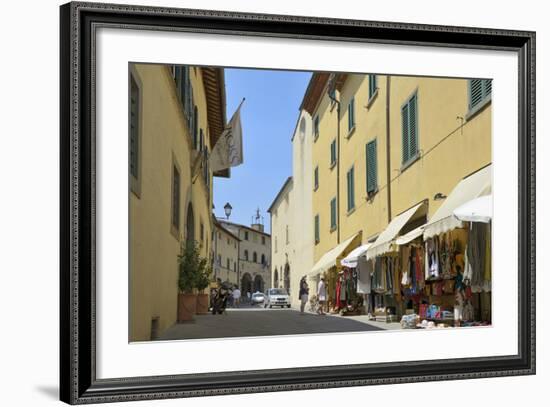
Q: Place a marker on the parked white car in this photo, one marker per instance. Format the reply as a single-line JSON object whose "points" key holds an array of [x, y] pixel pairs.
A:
{"points": [[277, 297], [258, 298]]}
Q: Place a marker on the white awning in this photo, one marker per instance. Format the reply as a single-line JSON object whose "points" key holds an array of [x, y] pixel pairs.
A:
{"points": [[477, 210], [384, 242], [473, 186], [409, 237], [351, 259], [330, 258]]}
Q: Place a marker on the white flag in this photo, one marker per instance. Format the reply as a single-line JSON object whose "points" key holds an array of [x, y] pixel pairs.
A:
{"points": [[228, 151]]}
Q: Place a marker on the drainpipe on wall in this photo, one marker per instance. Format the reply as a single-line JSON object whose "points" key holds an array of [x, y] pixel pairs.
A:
{"points": [[335, 100], [388, 162]]}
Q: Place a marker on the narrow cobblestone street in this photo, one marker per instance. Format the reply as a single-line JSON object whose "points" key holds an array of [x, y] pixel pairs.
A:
{"points": [[257, 321]]}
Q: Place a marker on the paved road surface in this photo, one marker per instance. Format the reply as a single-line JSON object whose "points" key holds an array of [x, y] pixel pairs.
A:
{"points": [[262, 322]]}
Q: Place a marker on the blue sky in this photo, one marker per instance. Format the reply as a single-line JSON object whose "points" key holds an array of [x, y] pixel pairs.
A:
{"points": [[268, 118]]}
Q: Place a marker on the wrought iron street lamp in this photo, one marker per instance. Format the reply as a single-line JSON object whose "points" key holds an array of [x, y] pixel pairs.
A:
{"points": [[227, 208]]}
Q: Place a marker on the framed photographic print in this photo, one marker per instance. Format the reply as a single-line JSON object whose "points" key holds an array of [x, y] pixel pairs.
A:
{"points": [[326, 202]]}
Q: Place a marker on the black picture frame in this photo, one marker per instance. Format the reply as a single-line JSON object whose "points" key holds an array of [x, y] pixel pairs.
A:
{"points": [[78, 382]]}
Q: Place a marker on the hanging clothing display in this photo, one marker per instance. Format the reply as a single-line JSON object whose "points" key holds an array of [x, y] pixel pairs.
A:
{"points": [[364, 275]]}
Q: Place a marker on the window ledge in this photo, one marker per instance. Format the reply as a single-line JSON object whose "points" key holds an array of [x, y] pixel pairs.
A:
{"points": [[351, 211], [372, 98], [478, 108], [351, 131], [315, 188], [332, 229], [332, 165], [315, 137], [410, 162], [372, 194]]}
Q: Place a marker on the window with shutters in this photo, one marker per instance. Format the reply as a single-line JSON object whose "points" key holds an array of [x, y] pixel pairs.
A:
{"points": [[351, 189], [479, 93], [316, 178], [175, 201], [351, 116], [333, 153], [372, 170], [333, 210], [255, 257], [316, 128], [373, 86], [317, 233], [246, 255], [409, 124], [135, 118], [195, 127]]}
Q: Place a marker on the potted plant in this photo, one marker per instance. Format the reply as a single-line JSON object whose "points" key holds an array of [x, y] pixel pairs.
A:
{"points": [[189, 263], [203, 281]]}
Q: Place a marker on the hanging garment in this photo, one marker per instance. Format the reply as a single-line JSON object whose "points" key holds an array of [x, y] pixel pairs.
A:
{"points": [[364, 275], [405, 254], [476, 254], [419, 268], [396, 275], [343, 290], [337, 300], [487, 267]]}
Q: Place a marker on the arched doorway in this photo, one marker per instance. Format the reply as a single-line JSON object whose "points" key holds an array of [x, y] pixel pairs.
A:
{"points": [[258, 284], [246, 284], [275, 278], [286, 278], [190, 225]]}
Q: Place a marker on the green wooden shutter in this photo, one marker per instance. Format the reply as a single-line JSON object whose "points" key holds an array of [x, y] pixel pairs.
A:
{"points": [[316, 178], [351, 114], [487, 87], [351, 191], [317, 239], [405, 133], [333, 152], [475, 92], [372, 85], [333, 213], [134, 128], [371, 167], [413, 127]]}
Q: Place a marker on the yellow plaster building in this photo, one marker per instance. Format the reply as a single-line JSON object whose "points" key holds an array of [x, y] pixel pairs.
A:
{"points": [[176, 115], [383, 144]]}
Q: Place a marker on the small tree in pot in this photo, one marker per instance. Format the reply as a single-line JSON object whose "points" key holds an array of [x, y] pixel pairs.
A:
{"points": [[189, 263], [203, 281]]}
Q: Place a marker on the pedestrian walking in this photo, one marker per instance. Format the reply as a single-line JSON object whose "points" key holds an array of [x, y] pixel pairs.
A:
{"points": [[322, 295], [236, 297], [304, 293]]}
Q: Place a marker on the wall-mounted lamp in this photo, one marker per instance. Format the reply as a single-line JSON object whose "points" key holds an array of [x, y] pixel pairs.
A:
{"points": [[227, 208]]}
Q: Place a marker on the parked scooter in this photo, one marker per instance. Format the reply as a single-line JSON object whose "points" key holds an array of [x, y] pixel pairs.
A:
{"points": [[219, 297]]}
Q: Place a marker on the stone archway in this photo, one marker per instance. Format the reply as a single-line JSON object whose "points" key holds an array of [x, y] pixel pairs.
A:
{"points": [[258, 284], [286, 278], [246, 285]]}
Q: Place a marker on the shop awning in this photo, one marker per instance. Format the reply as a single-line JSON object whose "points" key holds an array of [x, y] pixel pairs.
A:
{"points": [[476, 185], [477, 210], [409, 237], [384, 242], [351, 259], [330, 258]]}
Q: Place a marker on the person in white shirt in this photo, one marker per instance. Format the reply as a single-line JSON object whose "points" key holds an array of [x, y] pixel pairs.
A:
{"points": [[322, 296], [236, 297]]}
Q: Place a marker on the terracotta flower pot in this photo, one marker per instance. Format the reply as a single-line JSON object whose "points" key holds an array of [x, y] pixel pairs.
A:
{"points": [[187, 307], [202, 304]]}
